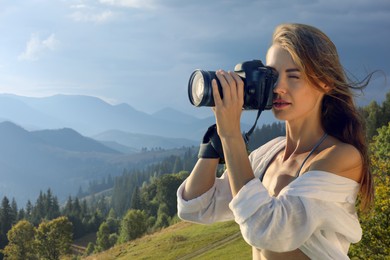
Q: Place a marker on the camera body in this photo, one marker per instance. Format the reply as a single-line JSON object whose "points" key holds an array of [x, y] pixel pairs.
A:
{"points": [[259, 82]]}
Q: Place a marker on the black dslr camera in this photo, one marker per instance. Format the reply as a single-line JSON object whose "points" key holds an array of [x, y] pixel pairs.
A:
{"points": [[259, 82]]}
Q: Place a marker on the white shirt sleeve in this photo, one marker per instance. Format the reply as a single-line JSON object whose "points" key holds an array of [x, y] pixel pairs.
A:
{"points": [[210, 207]]}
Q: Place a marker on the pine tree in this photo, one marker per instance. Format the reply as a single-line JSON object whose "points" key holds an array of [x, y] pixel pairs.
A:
{"points": [[6, 221], [136, 199], [38, 211], [14, 210], [52, 209], [29, 209], [68, 209]]}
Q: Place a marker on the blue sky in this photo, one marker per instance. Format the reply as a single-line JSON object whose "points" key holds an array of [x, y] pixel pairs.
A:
{"points": [[142, 52]]}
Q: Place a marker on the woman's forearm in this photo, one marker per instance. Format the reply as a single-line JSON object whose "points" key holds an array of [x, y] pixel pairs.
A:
{"points": [[238, 166], [201, 179]]}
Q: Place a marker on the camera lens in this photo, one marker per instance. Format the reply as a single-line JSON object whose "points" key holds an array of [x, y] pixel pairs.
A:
{"points": [[197, 89], [200, 91]]}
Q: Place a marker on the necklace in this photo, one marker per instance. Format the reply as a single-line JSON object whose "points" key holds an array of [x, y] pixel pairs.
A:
{"points": [[311, 152]]}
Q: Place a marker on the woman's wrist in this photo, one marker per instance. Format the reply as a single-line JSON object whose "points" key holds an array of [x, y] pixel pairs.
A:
{"points": [[235, 139]]}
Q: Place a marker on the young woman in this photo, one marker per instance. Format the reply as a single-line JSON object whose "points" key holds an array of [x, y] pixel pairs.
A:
{"points": [[294, 197]]}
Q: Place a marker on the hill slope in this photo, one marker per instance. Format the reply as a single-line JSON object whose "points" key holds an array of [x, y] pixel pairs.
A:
{"points": [[184, 241]]}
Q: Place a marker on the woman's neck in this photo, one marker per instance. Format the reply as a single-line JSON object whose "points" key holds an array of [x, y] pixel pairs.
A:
{"points": [[301, 137]]}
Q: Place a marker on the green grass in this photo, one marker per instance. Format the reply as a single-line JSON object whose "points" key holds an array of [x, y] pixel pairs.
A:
{"points": [[184, 241]]}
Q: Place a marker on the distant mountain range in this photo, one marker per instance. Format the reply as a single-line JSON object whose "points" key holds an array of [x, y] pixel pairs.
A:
{"points": [[60, 159], [92, 116], [95, 118]]}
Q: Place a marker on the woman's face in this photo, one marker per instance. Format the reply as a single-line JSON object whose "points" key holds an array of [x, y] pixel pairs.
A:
{"points": [[294, 97]]}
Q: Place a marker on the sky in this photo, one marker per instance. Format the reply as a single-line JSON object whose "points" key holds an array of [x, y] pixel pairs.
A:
{"points": [[142, 52]]}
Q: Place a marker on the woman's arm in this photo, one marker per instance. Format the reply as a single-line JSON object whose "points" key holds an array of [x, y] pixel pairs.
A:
{"points": [[205, 206], [238, 166], [201, 178], [228, 115]]}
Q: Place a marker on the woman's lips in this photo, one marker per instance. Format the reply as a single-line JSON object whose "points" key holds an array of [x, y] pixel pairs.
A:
{"points": [[280, 103]]}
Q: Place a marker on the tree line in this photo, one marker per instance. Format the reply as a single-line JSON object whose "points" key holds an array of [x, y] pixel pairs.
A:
{"points": [[375, 243]]}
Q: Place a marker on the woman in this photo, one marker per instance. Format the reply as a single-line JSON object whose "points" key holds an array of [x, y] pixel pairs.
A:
{"points": [[294, 197]]}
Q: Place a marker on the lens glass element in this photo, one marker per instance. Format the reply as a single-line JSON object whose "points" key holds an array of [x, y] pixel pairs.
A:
{"points": [[197, 88]]}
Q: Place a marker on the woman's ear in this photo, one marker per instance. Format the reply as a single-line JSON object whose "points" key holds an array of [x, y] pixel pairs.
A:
{"points": [[325, 87]]}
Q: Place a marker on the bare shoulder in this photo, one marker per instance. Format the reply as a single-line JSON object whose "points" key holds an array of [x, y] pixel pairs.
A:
{"points": [[341, 159]]}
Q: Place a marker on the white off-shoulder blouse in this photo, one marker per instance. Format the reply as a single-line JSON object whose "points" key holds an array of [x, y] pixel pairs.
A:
{"points": [[315, 213]]}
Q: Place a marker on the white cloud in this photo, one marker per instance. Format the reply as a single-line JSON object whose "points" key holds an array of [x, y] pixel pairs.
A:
{"points": [[130, 3], [103, 11], [36, 47], [78, 6], [101, 17]]}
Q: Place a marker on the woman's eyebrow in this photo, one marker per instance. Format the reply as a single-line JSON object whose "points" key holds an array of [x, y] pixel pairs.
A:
{"points": [[293, 70]]}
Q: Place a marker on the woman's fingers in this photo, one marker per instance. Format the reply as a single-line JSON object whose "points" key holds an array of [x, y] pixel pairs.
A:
{"points": [[232, 87], [225, 84], [216, 94], [240, 87]]}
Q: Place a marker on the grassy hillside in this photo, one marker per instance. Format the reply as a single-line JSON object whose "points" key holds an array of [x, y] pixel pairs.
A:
{"points": [[184, 241]]}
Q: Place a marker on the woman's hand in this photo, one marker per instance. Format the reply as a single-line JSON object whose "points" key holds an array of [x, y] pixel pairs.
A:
{"points": [[228, 110], [228, 114]]}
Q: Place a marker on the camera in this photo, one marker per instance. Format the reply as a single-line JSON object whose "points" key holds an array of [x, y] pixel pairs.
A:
{"points": [[259, 82]]}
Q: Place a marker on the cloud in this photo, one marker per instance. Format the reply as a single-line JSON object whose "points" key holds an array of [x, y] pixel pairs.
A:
{"points": [[35, 47], [104, 11], [101, 17], [139, 4]]}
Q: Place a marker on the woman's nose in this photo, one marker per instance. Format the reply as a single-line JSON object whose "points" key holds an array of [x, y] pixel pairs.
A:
{"points": [[280, 86]]}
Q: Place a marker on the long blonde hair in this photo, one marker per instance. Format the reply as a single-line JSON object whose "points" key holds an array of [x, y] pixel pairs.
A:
{"points": [[316, 55]]}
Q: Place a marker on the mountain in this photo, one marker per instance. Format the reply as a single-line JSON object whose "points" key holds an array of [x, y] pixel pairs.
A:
{"points": [[171, 115], [13, 108], [139, 141], [69, 139], [92, 116], [60, 159]]}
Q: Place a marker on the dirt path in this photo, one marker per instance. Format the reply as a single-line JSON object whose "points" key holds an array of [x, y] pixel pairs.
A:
{"points": [[212, 246]]}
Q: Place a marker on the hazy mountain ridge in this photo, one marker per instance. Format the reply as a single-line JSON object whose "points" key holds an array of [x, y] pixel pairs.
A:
{"points": [[16, 110], [172, 115], [69, 139], [92, 116], [58, 159], [140, 141]]}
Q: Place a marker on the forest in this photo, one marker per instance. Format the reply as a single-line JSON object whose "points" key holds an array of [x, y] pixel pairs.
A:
{"points": [[143, 201]]}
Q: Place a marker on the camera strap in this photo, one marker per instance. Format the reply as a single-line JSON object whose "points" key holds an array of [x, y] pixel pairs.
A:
{"points": [[247, 134]]}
